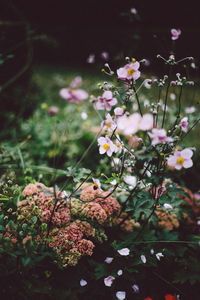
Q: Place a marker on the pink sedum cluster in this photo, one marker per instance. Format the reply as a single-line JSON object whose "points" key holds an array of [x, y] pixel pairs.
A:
{"points": [[40, 202], [101, 208]]}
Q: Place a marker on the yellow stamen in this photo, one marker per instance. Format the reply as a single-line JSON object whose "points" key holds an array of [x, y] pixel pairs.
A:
{"points": [[130, 72], [95, 185], [118, 145], [108, 124], [106, 146], [180, 160]]}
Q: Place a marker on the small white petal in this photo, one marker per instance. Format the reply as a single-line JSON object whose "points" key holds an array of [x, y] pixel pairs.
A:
{"points": [[109, 280], [136, 288], [108, 260], [143, 259], [119, 272], [167, 206], [159, 255], [152, 251], [124, 251], [83, 282], [121, 295]]}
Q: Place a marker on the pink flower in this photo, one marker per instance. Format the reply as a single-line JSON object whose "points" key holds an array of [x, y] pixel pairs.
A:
{"points": [[131, 124], [105, 55], [118, 145], [109, 280], [190, 110], [146, 122], [53, 110], [106, 101], [106, 146], [175, 33], [158, 136], [108, 124], [118, 111], [76, 82], [181, 159], [129, 71], [91, 59], [184, 124], [76, 96]]}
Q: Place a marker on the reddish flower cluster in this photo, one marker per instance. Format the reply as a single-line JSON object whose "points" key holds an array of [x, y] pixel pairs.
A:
{"points": [[40, 202], [101, 207], [167, 220]]}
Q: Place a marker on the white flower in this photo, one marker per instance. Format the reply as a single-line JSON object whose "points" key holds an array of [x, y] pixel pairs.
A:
{"points": [[130, 180], [121, 295], [83, 282], [106, 145], [152, 251], [143, 259], [84, 115], [167, 206], [159, 255], [108, 260], [119, 272], [172, 96], [124, 251], [109, 280]]}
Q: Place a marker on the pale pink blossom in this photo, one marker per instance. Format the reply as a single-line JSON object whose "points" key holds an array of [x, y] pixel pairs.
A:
{"points": [[167, 206], [76, 82], [184, 124], [108, 124], [105, 55], [159, 136], [91, 59], [133, 10], [109, 280], [190, 110], [175, 33], [130, 180], [106, 101], [146, 122], [118, 111], [181, 159], [124, 251], [129, 72], [131, 124], [53, 110], [76, 96], [118, 145], [106, 145]]}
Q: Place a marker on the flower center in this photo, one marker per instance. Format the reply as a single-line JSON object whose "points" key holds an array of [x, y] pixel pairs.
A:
{"points": [[95, 185], [130, 71], [108, 124], [180, 160], [118, 145], [106, 146]]}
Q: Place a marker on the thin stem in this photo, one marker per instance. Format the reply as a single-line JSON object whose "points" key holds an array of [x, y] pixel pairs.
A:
{"points": [[138, 102]]}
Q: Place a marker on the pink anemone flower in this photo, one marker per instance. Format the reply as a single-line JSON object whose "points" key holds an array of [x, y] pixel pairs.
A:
{"points": [[129, 72], [175, 33], [181, 159], [106, 101], [76, 96]]}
